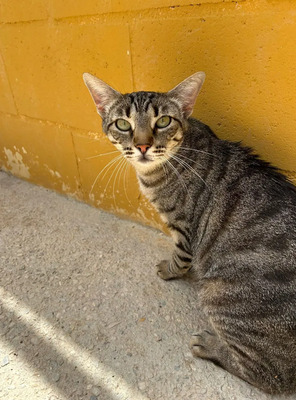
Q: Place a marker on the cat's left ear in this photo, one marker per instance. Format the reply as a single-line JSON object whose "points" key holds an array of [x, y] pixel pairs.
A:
{"points": [[186, 92], [103, 95]]}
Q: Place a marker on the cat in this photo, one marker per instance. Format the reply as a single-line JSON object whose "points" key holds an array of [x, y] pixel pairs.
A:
{"points": [[233, 219]]}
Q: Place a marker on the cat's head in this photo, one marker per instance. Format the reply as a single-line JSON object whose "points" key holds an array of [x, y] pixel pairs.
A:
{"points": [[147, 127]]}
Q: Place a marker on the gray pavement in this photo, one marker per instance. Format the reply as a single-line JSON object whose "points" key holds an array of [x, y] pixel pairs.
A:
{"points": [[83, 314]]}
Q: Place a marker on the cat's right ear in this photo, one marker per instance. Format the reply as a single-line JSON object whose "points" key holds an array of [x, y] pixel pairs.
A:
{"points": [[103, 95]]}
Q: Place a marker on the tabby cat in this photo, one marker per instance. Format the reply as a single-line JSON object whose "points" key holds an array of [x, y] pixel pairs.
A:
{"points": [[232, 217]]}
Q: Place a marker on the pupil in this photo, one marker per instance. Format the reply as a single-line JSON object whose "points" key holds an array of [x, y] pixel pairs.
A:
{"points": [[123, 125]]}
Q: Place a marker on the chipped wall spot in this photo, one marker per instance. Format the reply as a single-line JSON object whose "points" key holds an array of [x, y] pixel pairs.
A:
{"points": [[141, 213], [65, 188], [91, 196], [52, 172], [15, 164]]}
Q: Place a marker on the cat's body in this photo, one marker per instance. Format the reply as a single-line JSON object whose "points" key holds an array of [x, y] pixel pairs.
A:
{"points": [[240, 228], [233, 219]]}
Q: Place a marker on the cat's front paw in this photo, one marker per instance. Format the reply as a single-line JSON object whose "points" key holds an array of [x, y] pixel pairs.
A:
{"points": [[204, 344], [163, 270]]}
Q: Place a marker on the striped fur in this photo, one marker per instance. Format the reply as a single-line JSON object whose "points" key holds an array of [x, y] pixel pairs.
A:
{"points": [[233, 219]]}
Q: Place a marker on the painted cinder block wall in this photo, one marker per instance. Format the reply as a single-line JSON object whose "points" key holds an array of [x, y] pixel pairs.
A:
{"points": [[50, 133]]}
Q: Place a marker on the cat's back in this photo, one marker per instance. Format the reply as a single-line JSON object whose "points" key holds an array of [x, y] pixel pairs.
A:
{"points": [[245, 201], [253, 210]]}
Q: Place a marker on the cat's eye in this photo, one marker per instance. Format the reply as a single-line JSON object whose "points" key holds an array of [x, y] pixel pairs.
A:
{"points": [[163, 122], [123, 125]]}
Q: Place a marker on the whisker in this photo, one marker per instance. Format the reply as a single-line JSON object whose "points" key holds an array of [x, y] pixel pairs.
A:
{"points": [[110, 163], [165, 172], [190, 159], [111, 176], [188, 167], [118, 176], [177, 174], [100, 155], [121, 170], [117, 168], [124, 183], [107, 170], [198, 151]]}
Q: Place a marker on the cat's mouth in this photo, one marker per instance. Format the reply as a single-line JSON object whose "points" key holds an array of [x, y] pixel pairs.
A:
{"points": [[144, 158]]}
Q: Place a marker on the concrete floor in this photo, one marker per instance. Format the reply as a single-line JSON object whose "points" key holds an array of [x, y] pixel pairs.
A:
{"points": [[83, 314]]}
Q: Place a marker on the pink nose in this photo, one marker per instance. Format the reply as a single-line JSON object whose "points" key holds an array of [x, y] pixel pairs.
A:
{"points": [[143, 147]]}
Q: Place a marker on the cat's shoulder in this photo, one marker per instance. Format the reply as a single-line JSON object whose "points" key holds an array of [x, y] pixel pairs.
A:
{"points": [[197, 127], [240, 155]]}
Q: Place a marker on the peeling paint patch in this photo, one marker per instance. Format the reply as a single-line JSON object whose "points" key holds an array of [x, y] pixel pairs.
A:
{"points": [[58, 182], [52, 172], [65, 188], [15, 163]]}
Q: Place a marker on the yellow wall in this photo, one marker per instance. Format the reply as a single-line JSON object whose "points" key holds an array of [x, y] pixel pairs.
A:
{"points": [[50, 132]]}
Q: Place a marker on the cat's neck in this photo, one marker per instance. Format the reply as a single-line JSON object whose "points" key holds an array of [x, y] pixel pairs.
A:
{"points": [[151, 179]]}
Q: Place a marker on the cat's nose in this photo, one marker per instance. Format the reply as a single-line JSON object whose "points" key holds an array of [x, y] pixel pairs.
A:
{"points": [[143, 147]]}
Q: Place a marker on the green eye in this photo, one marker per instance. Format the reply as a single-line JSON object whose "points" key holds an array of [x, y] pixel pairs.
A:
{"points": [[163, 122], [123, 125]]}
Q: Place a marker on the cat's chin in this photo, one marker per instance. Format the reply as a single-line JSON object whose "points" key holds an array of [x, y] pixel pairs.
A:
{"points": [[145, 166]]}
